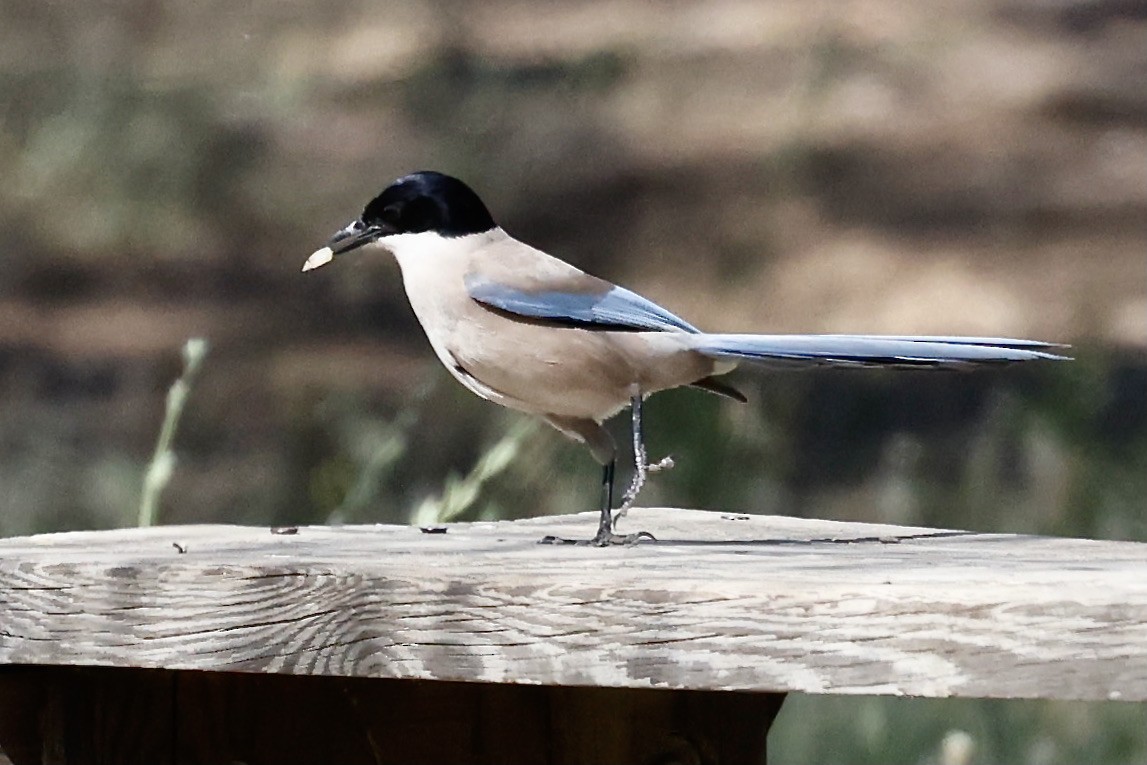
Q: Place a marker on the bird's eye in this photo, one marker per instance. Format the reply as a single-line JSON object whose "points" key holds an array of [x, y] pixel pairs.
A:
{"points": [[391, 214]]}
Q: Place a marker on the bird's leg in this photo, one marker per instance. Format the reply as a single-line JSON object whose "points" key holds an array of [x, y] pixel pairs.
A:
{"points": [[641, 466], [641, 470], [605, 525], [605, 535]]}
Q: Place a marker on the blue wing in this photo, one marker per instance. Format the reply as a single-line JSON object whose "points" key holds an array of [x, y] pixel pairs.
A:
{"points": [[602, 306]]}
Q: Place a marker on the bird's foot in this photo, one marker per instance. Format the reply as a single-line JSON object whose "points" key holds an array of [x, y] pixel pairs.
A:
{"points": [[605, 540], [600, 540]]}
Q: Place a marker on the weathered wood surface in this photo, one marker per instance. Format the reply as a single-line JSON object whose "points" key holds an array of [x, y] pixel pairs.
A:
{"points": [[721, 602]]}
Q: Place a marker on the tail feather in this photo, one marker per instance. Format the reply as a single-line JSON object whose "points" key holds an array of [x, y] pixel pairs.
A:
{"points": [[872, 350]]}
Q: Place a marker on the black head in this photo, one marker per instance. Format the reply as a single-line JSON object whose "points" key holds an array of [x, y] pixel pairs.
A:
{"points": [[424, 201], [428, 201]]}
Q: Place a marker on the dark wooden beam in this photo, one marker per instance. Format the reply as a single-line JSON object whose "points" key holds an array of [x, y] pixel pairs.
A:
{"points": [[114, 716]]}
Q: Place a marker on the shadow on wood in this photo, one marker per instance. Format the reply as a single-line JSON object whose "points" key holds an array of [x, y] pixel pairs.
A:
{"points": [[98, 716]]}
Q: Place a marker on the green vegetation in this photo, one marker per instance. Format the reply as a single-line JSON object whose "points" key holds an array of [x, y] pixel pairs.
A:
{"points": [[163, 461]]}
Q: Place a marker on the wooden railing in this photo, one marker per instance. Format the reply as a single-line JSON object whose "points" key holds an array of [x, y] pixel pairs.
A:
{"points": [[381, 644]]}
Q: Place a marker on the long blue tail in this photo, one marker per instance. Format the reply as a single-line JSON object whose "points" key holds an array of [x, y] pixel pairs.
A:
{"points": [[872, 350]]}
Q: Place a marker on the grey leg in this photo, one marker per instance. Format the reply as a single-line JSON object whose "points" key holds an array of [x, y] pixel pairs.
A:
{"points": [[641, 466], [593, 435]]}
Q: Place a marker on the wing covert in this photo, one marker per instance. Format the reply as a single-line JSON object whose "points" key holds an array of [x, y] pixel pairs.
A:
{"points": [[593, 304]]}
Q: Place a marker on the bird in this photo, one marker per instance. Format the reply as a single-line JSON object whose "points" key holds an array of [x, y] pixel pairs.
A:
{"points": [[533, 333]]}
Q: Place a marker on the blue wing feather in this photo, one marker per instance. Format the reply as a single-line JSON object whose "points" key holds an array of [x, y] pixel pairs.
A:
{"points": [[613, 308]]}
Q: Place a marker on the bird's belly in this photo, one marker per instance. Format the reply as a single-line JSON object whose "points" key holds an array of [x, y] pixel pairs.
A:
{"points": [[567, 371]]}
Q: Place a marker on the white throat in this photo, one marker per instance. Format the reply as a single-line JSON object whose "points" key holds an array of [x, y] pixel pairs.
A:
{"points": [[429, 249]]}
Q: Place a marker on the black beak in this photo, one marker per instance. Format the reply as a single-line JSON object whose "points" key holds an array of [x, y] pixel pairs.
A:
{"points": [[353, 236]]}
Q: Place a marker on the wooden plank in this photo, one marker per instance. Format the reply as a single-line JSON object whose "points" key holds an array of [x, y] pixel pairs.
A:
{"points": [[722, 602], [95, 715]]}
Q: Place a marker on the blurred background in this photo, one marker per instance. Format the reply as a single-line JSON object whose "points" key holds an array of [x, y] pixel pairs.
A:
{"points": [[857, 166]]}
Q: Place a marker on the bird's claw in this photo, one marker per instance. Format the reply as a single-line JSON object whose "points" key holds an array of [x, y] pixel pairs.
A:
{"points": [[620, 539], [600, 540]]}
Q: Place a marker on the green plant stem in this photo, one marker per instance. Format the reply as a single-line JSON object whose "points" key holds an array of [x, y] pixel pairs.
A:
{"points": [[162, 463]]}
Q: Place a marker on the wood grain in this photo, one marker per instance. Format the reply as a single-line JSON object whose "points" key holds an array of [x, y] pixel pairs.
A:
{"points": [[721, 602]]}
